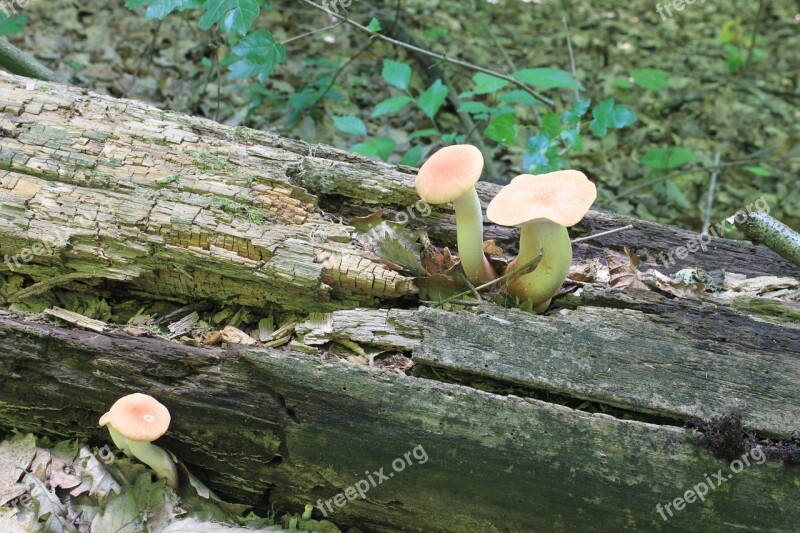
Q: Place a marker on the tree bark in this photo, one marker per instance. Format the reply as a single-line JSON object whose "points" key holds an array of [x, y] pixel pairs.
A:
{"points": [[117, 197]]}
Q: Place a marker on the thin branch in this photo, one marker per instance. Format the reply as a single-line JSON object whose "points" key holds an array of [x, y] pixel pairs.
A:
{"points": [[602, 234], [712, 184], [18, 62], [754, 35], [571, 57], [736, 163], [440, 57], [508, 275], [312, 32]]}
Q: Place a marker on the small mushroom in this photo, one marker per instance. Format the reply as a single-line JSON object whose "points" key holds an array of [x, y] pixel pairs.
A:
{"points": [[544, 206], [450, 175], [134, 421]]}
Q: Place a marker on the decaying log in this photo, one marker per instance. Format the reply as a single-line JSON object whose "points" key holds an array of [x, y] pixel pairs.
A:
{"points": [[98, 194]]}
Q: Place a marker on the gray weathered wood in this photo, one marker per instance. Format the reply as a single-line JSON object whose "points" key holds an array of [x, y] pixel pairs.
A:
{"points": [[275, 427]]}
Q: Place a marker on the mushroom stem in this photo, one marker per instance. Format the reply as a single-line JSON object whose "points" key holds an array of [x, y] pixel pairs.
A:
{"points": [[157, 459], [539, 286], [119, 441], [469, 229]]}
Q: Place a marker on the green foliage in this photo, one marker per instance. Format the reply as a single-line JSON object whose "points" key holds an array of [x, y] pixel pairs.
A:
{"points": [[500, 108], [652, 79], [432, 99], [396, 74], [667, 158], [11, 25], [257, 55], [352, 125]]}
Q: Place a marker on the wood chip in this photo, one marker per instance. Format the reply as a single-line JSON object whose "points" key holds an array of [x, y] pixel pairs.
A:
{"points": [[76, 319]]}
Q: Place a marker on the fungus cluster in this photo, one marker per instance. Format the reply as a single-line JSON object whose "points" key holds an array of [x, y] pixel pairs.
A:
{"points": [[543, 206], [134, 422]]}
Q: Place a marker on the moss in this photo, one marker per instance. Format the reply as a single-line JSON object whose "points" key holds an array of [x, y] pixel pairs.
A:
{"points": [[254, 214], [773, 310], [207, 161], [145, 140]]}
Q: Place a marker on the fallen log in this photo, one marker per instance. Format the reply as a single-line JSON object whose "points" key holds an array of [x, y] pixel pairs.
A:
{"points": [[492, 429]]}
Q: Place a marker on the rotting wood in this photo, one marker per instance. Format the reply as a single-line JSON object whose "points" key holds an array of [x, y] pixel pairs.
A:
{"points": [[116, 196], [275, 427]]}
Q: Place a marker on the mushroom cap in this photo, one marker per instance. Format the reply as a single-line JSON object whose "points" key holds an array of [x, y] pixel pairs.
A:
{"points": [[138, 417], [562, 197], [449, 173]]}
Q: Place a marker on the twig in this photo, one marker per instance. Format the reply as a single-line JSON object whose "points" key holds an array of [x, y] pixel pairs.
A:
{"points": [[508, 275], [147, 54], [754, 34], [18, 62], [312, 32], [759, 227], [571, 57], [736, 163], [601, 234], [712, 184], [440, 57]]}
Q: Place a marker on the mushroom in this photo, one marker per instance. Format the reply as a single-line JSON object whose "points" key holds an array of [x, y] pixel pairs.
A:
{"points": [[134, 421], [450, 175], [544, 206]]}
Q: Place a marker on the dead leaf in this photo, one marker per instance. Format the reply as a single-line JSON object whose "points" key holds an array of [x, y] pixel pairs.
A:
{"points": [[16, 456]]}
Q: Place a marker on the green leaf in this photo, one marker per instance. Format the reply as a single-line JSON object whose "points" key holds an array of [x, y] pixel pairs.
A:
{"points": [[350, 124], [10, 26], [413, 157], [486, 84], [257, 55], [396, 74], [502, 129], [578, 109], [573, 138], [435, 33], [551, 125], [621, 83], [158, 9], [432, 99], [380, 146], [547, 78], [430, 132], [233, 16], [518, 96], [607, 115], [374, 25], [475, 108], [667, 158], [759, 171], [392, 105], [652, 79]]}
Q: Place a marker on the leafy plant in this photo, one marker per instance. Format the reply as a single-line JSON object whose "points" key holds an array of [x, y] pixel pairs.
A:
{"points": [[501, 107]]}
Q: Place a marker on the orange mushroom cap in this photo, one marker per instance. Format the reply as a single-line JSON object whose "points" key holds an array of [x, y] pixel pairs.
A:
{"points": [[138, 417], [562, 197], [449, 173]]}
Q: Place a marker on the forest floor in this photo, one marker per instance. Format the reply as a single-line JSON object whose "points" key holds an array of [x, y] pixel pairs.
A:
{"points": [[705, 107]]}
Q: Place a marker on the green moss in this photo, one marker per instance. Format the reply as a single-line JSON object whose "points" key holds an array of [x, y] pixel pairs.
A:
{"points": [[232, 207], [145, 140], [207, 161], [769, 309]]}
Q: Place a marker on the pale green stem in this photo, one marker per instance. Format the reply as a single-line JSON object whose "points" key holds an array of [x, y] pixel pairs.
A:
{"points": [[119, 441], [157, 459], [541, 285], [469, 226]]}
